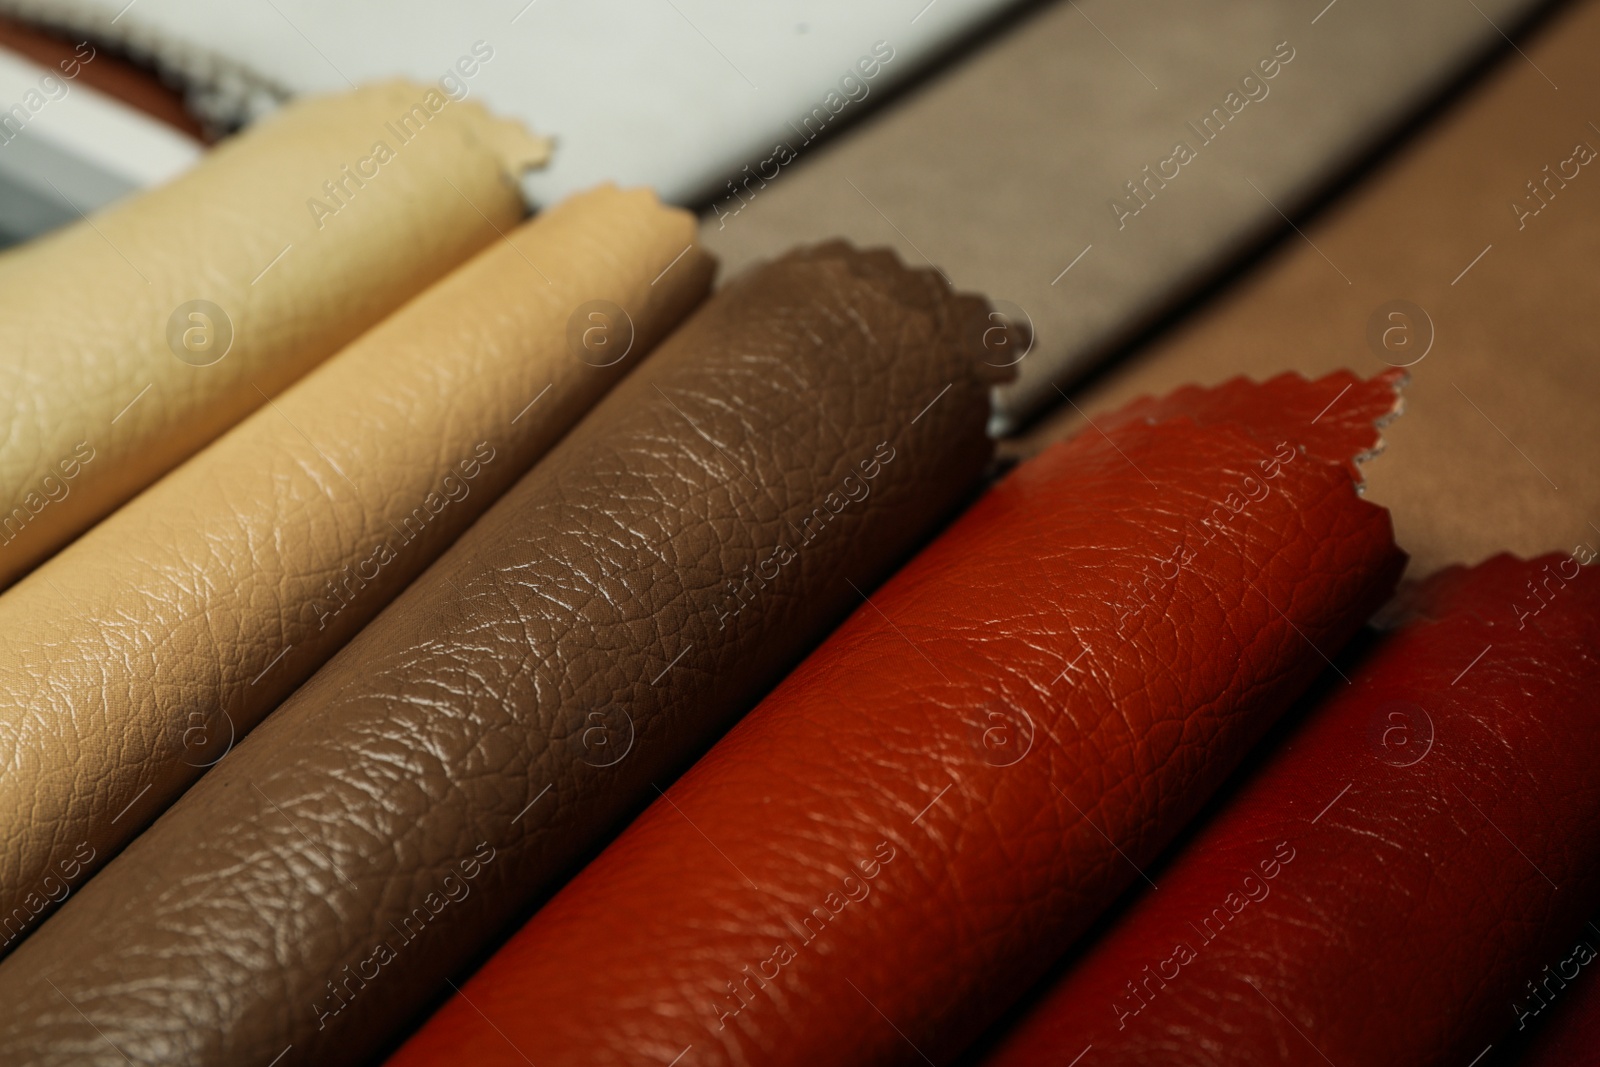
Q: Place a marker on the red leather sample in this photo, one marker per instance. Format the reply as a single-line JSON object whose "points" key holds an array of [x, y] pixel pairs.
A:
{"points": [[1399, 881], [926, 812]]}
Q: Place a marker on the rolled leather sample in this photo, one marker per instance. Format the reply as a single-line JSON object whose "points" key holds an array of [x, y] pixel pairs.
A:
{"points": [[1403, 880], [134, 337], [922, 816], [638, 590], [135, 658]]}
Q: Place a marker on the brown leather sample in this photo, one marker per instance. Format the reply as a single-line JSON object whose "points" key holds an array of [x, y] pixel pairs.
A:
{"points": [[925, 813], [133, 338], [1397, 884], [638, 590], [136, 657], [1494, 408]]}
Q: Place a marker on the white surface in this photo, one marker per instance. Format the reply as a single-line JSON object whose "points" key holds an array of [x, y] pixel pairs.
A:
{"points": [[78, 149], [675, 94]]}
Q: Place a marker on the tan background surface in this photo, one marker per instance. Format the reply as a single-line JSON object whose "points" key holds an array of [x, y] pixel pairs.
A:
{"points": [[1497, 447]]}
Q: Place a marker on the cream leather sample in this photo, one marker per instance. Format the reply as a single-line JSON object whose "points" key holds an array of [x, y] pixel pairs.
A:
{"points": [[130, 340], [133, 659]]}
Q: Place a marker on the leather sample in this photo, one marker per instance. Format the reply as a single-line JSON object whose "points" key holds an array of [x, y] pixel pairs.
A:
{"points": [[1096, 223], [619, 607], [1401, 878], [921, 817], [133, 338], [1493, 461], [136, 657]]}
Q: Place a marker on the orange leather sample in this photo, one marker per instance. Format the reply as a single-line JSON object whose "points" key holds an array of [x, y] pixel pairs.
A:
{"points": [[619, 607], [135, 658], [133, 338], [936, 802], [1402, 877]]}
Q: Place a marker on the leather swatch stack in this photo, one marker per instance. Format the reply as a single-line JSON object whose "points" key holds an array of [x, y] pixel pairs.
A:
{"points": [[136, 658], [131, 340], [1397, 882], [635, 593], [433, 636], [876, 861]]}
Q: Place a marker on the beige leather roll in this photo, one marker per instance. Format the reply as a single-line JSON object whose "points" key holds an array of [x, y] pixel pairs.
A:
{"points": [[134, 337], [135, 658]]}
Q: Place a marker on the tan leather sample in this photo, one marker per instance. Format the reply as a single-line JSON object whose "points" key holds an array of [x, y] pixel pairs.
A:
{"points": [[638, 590], [298, 235], [1500, 411], [135, 658]]}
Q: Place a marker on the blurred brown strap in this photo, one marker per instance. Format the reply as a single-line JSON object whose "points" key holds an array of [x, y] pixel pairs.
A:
{"points": [[112, 74]]}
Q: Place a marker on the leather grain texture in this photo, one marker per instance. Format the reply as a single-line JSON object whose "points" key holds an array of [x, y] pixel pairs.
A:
{"points": [[111, 375], [923, 815], [619, 607], [1400, 878], [135, 658]]}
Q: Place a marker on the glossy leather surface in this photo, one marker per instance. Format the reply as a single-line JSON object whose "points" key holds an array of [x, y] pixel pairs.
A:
{"points": [[1402, 876], [107, 378], [907, 831], [314, 893], [137, 657]]}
